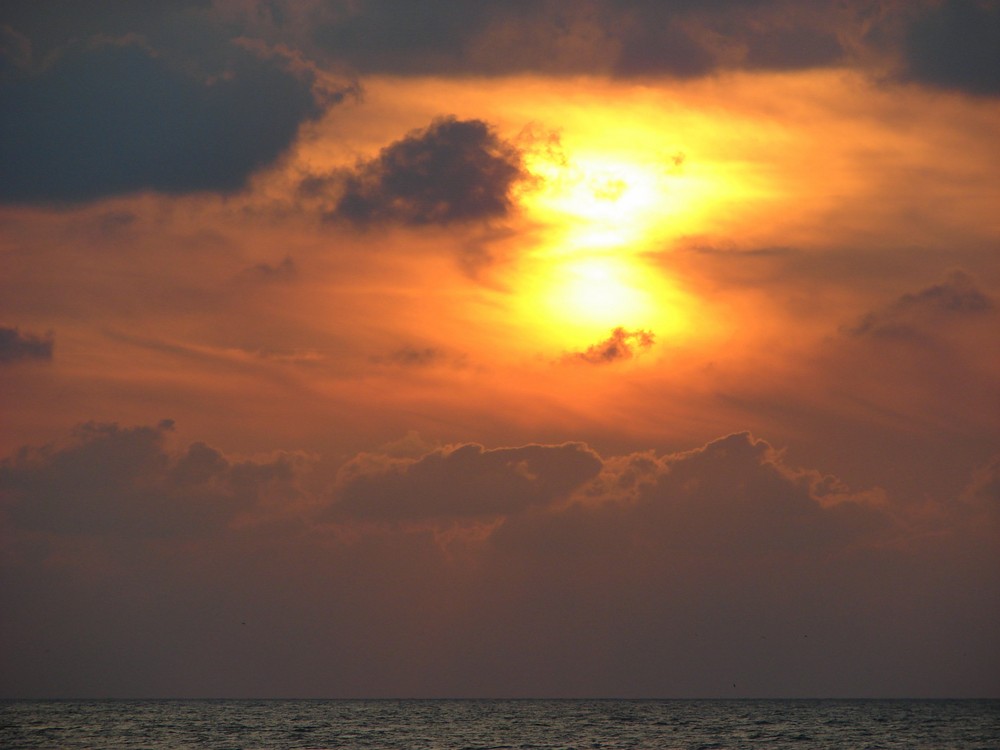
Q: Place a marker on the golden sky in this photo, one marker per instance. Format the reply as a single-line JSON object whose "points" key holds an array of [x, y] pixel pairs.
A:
{"points": [[592, 349]]}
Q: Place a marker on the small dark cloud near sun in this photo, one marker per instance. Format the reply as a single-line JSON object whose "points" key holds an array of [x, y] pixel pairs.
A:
{"points": [[914, 314], [451, 172], [620, 345], [17, 346]]}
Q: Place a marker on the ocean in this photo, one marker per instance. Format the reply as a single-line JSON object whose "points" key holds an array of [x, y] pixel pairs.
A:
{"points": [[495, 724]]}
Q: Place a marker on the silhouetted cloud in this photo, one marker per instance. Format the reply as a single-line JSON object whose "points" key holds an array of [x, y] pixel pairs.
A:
{"points": [[452, 171], [110, 480], [15, 345], [467, 481], [621, 344], [730, 498], [541, 569], [912, 314], [955, 45], [115, 117]]}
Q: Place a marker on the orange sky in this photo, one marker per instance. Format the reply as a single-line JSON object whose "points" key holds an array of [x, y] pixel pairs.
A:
{"points": [[647, 354]]}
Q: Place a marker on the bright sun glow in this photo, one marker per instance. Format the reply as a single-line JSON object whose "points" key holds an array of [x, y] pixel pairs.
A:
{"points": [[596, 291], [588, 275], [600, 201], [576, 299]]}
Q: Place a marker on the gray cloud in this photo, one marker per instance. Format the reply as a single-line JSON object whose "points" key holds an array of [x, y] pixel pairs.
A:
{"points": [[15, 346], [451, 172], [643, 574], [914, 315], [792, 49], [464, 482], [730, 499], [654, 43], [624, 38], [116, 481], [955, 45], [114, 117]]}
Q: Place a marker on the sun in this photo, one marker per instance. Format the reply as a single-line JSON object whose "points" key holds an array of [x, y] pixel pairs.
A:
{"points": [[590, 271], [601, 201], [572, 299], [594, 291]]}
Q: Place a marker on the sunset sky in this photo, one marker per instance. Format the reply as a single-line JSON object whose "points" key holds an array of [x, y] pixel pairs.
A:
{"points": [[375, 348]]}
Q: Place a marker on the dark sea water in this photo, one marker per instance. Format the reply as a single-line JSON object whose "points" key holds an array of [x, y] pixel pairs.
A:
{"points": [[483, 724]]}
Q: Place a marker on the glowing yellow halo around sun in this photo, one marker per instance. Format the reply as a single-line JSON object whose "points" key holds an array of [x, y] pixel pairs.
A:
{"points": [[601, 201], [597, 291], [589, 276]]}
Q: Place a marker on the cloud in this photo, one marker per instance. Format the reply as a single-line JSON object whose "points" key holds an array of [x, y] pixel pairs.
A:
{"points": [[656, 43], [380, 36], [914, 315], [115, 481], [792, 49], [411, 356], [115, 117], [620, 345], [451, 172], [286, 270], [955, 45], [15, 346], [566, 574], [729, 503], [467, 481], [624, 38]]}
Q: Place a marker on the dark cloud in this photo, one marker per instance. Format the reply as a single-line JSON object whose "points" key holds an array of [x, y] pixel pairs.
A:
{"points": [[955, 45], [51, 26], [643, 574], [732, 498], [382, 36], [113, 117], [655, 44], [464, 482], [792, 49], [914, 315], [621, 344], [624, 38], [15, 345], [110, 480], [453, 171]]}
